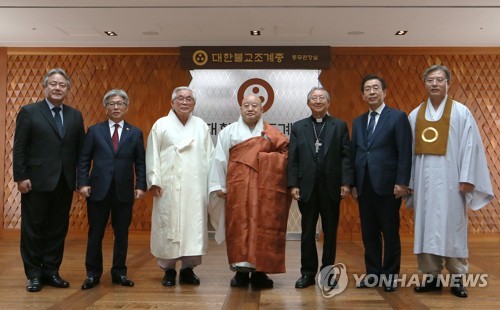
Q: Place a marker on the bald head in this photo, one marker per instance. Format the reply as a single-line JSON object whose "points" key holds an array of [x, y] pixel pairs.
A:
{"points": [[251, 110]]}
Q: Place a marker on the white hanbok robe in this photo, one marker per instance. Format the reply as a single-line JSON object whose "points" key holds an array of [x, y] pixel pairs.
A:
{"points": [[178, 159], [231, 135], [440, 208]]}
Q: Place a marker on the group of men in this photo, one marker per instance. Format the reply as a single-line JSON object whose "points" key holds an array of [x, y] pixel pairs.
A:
{"points": [[435, 159]]}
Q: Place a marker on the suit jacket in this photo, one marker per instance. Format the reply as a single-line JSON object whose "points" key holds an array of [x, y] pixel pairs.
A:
{"points": [[39, 153], [388, 156], [301, 157], [108, 165]]}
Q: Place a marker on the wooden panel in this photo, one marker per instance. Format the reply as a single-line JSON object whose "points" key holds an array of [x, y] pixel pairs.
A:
{"points": [[149, 76], [475, 82], [148, 79], [3, 83]]}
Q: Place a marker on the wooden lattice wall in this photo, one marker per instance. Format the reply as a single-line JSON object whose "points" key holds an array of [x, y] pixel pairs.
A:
{"points": [[475, 82], [149, 76]]}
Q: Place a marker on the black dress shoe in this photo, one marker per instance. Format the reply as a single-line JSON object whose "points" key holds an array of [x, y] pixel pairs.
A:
{"points": [[122, 280], [169, 277], [34, 284], [187, 276], [261, 280], [392, 287], [90, 282], [305, 281], [428, 286], [240, 279], [55, 281], [459, 290]]}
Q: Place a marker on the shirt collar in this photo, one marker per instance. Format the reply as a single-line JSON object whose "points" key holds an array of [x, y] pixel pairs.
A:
{"points": [[112, 124], [319, 120], [52, 105], [379, 109]]}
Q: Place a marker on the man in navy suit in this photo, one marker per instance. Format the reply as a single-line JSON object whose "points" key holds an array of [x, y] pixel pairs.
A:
{"points": [[381, 150], [47, 141], [113, 151], [319, 176]]}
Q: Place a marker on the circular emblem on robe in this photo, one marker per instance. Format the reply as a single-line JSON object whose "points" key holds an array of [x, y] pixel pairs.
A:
{"points": [[200, 57], [430, 134], [259, 88]]}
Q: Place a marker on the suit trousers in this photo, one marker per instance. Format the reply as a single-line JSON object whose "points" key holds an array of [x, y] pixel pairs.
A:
{"points": [[379, 216], [98, 213], [44, 225], [320, 203]]}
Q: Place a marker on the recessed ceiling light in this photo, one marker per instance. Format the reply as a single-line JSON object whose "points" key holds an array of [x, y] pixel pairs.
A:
{"points": [[255, 32], [110, 33], [401, 32]]}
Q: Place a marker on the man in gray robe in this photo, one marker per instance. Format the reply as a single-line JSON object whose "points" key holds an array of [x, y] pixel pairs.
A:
{"points": [[449, 175]]}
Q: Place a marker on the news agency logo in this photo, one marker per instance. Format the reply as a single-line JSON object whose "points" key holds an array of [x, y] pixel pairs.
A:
{"points": [[411, 280], [332, 280]]}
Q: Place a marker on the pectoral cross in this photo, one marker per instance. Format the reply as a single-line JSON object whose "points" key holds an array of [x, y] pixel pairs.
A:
{"points": [[317, 144]]}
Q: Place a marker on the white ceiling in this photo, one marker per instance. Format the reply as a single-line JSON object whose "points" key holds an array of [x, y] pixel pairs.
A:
{"points": [[157, 23]]}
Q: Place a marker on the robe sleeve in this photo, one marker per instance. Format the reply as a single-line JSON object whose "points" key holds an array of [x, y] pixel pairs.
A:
{"points": [[473, 165], [153, 175], [217, 181], [219, 167], [209, 146], [409, 198]]}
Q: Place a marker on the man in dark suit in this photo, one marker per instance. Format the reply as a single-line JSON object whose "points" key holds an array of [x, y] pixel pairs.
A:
{"points": [[47, 141], [381, 150], [319, 176], [113, 151]]}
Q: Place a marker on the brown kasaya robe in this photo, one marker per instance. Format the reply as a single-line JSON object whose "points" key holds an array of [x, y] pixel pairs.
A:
{"points": [[257, 201]]}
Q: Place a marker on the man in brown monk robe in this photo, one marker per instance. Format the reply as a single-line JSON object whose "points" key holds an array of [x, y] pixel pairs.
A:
{"points": [[249, 173]]}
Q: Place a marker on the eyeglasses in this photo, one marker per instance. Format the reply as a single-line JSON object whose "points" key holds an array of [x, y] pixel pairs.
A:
{"points": [[318, 98], [438, 80], [113, 104], [184, 99]]}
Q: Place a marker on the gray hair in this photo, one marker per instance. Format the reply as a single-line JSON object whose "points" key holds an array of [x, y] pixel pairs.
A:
{"points": [[309, 95], [178, 89], [56, 71], [115, 92], [435, 68]]}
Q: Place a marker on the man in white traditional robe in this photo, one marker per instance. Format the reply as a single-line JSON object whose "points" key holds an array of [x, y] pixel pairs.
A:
{"points": [[178, 158], [449, 175]]}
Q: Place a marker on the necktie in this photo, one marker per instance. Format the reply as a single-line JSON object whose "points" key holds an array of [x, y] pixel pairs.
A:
{"points": [[371, 125], [114, 138], [57, 118]]}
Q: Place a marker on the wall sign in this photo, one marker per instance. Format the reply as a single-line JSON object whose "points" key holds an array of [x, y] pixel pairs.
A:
{"points": [[255, 57]]}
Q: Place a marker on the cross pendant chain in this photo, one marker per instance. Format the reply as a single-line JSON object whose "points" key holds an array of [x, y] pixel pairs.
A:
{"points": [[317, 144]]}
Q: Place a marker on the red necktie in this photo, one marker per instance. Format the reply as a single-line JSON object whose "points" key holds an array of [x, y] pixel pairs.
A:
{"points": [[114, 138]]}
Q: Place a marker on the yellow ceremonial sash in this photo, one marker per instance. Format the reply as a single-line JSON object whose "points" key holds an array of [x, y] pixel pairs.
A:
{"points": [[431, 137]]}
